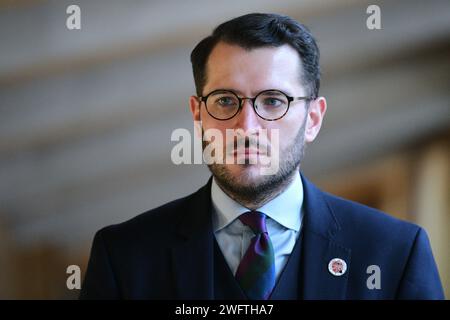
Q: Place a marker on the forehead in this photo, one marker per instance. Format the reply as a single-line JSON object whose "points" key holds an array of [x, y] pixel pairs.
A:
{"points": [[231, 66]]}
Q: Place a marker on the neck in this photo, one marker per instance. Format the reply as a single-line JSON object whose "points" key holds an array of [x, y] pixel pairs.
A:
{"points": [[259, 196]]}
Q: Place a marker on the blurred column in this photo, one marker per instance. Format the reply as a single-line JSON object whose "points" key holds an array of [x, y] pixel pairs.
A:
{"points": [[7, 264], [433, 209], [395, 187]]}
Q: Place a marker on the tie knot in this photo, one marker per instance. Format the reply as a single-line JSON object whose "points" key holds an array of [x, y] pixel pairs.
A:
{"points": [[255, 220]]}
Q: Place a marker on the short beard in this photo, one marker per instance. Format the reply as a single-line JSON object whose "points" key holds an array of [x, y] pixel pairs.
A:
{"points": [[254, 195]]}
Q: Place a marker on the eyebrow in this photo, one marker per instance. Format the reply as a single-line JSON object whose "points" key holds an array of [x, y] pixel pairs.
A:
{"points": [[254, 93]]}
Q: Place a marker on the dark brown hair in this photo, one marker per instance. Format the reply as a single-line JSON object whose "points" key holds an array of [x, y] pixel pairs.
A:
{"points": [[257, 30]]}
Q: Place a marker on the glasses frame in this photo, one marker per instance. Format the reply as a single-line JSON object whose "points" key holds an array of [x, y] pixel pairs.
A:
{"points": [[253, 100]]}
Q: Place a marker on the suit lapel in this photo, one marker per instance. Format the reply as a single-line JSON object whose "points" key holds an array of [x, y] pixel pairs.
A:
{"points": [[319, 247], [192, 255]]}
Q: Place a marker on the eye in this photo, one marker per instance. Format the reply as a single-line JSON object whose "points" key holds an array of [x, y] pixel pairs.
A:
{"points": [[272, 102], [226, 101]]}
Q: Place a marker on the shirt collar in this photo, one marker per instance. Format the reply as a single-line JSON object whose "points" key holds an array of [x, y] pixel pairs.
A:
{"points": [[284, 209]]}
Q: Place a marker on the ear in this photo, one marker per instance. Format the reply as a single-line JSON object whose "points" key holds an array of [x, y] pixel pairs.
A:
{"points": [[194, 104], [315, 115]]}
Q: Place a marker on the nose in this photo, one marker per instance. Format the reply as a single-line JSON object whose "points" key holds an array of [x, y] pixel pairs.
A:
{"points": [[247, 119]]}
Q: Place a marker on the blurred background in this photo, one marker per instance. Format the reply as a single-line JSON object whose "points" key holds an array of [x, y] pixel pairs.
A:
{"points": [[86, 118]]}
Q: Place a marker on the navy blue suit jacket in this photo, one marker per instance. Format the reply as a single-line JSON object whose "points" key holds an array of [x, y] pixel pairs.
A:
{"points": [[166, 253]]}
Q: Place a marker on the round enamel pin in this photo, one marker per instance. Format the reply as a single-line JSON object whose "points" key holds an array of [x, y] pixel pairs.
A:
{"points": [[337, 267]]}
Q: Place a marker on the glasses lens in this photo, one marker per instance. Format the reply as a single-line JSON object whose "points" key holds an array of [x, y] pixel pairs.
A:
{"points": [[222, 104], [271, 104]]}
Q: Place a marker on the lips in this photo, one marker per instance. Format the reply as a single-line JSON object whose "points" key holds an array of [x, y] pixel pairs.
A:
{"points": [[247, 151]]}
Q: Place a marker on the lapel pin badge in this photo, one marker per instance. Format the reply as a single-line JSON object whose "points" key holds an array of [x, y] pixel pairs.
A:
{"points": [[337, 267]]}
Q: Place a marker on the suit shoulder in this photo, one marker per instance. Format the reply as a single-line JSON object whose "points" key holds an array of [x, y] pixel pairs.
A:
{"points": [[367, 221], [155, 223]]}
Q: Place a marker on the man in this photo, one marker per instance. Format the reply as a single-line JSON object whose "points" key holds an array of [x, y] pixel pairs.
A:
{"points": [[249, 235]]}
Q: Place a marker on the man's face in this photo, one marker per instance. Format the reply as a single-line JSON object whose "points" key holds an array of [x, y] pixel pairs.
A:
{"points": [[247, 73]]}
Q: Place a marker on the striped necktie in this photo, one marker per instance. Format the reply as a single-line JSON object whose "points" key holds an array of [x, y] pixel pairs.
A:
{"points": [[256, 271]]}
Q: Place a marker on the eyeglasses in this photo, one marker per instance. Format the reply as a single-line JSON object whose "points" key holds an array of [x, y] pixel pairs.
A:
{"points": [[269, 105]]}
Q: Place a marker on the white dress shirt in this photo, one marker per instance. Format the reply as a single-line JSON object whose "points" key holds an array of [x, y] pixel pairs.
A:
{"points": [[284, 219]]}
